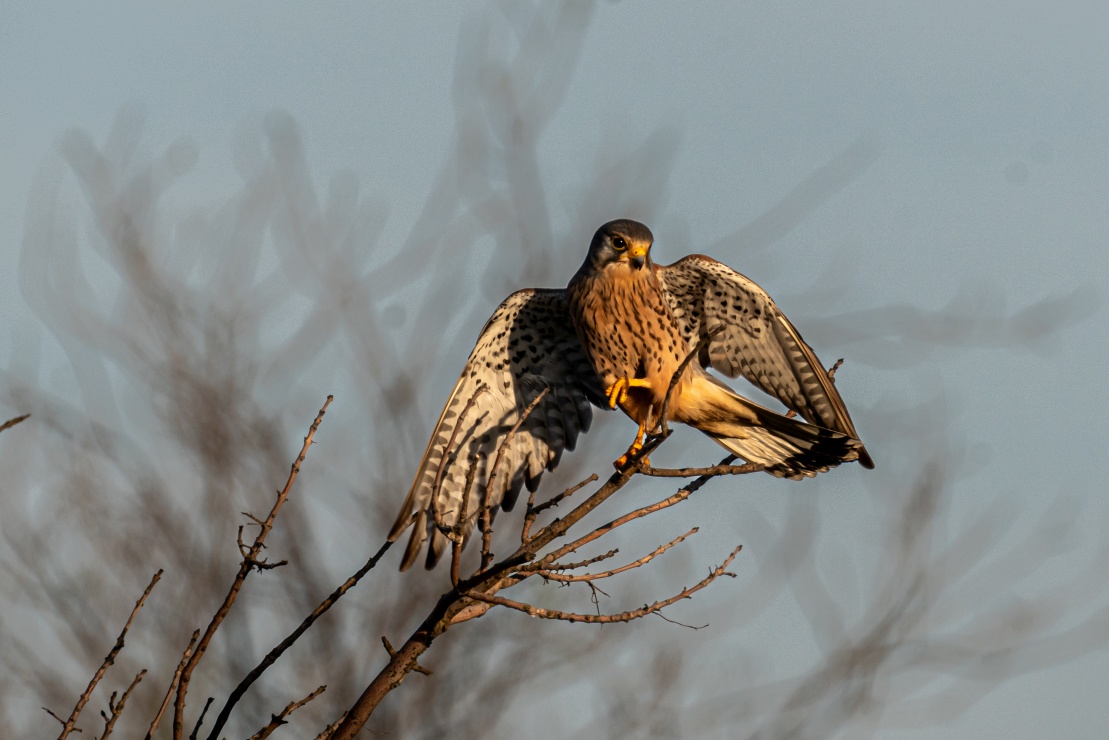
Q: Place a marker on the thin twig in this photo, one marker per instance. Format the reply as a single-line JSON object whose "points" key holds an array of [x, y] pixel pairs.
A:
{"points": [[536, 568], [535, 611], [173, 684], [512, 433], [273, 655], [277, 720], [60, 720], [250, 561], [200, 719], [436, 515], [665, 618], [330, 729], [485, 521], [666, 503], [117, 709], [454, 534], [8, 425], [485, 525], [68, 724], [534, 511], [723, 468], [564, 578]]}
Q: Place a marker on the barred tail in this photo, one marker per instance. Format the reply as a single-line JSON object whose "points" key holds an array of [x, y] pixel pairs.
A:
{"points": [[788, 447]]}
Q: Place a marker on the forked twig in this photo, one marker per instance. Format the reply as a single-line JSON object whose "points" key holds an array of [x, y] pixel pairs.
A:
{"points": [[277, 720], [249, 562], [485, 521], [455, 533], [666, 503], [564, 578], [393, 653], [285, 644], [535, 611], [436, 515], [512, 433], [534, 511], [173, 684], [117, 708], [67, 726], [536, 568]]}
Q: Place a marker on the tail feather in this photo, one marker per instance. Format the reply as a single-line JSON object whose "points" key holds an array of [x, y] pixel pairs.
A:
{"points": [[788, 447]]}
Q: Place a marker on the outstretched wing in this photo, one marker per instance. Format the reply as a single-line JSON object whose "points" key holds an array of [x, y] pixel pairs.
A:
{"points": [[528, 345], [742, 332]]}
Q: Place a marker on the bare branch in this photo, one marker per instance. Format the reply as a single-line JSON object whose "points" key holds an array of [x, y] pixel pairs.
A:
{"points": [[273, 655], [535, 611], [472, 597], [548, 573], [436, 515], [534, 511], [485, 525], [67, 726], [455, 533], [117, 709], [60, 720], [666, 503], [724, 468], [200, 719], [393, 653], [485, 521], [173, 684], [512, 433], [536, 568], [250, 560], [279, 719], [329, 731]]}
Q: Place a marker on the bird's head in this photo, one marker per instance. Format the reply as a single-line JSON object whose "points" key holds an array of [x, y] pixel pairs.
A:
{"points": [[620, 243]]}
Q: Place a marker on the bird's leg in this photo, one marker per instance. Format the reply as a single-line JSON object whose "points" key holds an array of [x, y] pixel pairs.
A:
{"points": [[637, 445], [618, 391]]}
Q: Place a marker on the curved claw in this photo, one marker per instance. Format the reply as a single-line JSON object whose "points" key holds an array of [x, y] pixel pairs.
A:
{"points": [[637, 445], [618, 391]]}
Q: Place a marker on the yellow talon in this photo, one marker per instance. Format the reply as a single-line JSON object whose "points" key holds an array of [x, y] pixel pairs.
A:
{"points": [[618, 391], [637, 445]]}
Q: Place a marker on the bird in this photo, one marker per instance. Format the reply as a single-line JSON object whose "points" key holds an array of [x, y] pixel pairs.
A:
{"points": [[615, 337]]}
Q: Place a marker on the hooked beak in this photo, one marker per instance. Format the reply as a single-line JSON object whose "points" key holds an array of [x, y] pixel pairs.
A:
{"points": [[638, 256]]}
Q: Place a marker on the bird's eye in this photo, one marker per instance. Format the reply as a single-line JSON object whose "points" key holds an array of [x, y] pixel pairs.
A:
{"points": [[619, 244]]}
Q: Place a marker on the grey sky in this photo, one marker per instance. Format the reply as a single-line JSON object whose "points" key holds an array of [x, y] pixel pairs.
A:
{"points": [[983, 178]]}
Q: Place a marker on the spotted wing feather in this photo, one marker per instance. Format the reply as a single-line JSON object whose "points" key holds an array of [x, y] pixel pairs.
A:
{"points": [[528, 345], [742, 332]]}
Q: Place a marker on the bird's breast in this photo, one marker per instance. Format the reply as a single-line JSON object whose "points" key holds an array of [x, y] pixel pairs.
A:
{"points": [[627, 329]]}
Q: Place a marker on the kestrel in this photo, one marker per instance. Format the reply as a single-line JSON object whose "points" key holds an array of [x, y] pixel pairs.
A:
{"points": [[616, 336]]}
